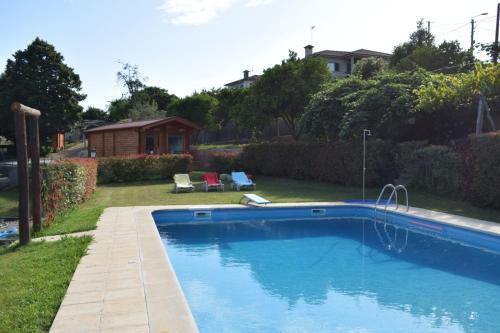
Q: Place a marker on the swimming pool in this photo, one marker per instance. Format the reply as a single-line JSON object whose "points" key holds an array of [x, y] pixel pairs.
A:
{"points": [[331, 269]]}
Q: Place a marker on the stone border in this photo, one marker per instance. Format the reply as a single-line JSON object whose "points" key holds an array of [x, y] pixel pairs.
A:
{"points": [[126, 283]]}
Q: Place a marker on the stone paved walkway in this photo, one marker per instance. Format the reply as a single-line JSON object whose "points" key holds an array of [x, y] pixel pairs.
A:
{"points": [[125, 283]]}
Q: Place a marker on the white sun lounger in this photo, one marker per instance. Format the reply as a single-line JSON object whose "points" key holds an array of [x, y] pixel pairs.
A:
{"points": [[254, 198]]}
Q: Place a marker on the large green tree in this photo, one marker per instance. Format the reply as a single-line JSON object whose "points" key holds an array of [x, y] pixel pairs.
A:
{"points": [[420, 51], [283, 91], [385, 104], [93, 113], [39, 78], [229, 106], [198, 108]]}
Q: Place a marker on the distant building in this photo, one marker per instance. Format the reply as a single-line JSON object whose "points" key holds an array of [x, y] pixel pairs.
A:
{"points": [[341, 63], [157, 136], [245, 82]]}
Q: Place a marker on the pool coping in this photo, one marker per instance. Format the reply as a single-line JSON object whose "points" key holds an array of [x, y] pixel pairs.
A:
{"points": [[126, 282]]}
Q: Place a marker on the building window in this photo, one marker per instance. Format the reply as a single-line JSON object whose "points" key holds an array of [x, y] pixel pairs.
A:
{"points": [[334, 66], [175, 143], [349, 69]]}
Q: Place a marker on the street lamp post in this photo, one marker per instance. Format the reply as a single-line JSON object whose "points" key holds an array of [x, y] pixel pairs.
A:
{"points": [[472, 22], [365, 133]]}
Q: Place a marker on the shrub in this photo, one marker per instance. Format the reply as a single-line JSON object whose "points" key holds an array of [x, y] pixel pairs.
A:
{"points": [[433, 168], [338, 162], [485, 184], [142, 167], [225, 162], [65, 184]]}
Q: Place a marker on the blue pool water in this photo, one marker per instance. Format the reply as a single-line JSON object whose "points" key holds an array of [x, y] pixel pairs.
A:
{"points": [[329, 275]]}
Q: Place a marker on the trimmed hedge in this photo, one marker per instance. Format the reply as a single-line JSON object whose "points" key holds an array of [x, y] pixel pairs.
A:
{"points": [[118, 169], [225, 162], [65, 184], [436, 169], [484, 168], [339, 162], [469, 170]]}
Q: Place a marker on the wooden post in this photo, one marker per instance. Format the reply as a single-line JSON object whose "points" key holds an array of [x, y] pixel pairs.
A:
{"points": [[21, 112], [35, 174], [22, 176]]}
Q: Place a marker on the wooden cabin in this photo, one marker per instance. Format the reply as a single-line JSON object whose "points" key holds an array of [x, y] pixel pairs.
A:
{"points": [[158, 136]]}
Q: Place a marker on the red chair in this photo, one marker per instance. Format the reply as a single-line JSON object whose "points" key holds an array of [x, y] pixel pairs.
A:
{"points": [[211, 180]]}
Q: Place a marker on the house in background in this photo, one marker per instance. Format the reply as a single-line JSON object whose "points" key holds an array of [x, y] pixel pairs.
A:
{"points": [[243, 83], [158, 136], [341, 63]]}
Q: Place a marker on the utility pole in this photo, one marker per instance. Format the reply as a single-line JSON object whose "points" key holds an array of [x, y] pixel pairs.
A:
{"points": [[495, 45], [472, 22], [428, 27], [472, 34]]}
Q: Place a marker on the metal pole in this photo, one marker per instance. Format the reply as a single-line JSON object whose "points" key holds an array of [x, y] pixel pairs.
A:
{"points": [[35, 174], [22, 176], [365, 132], [495, 45], [472, 34]]}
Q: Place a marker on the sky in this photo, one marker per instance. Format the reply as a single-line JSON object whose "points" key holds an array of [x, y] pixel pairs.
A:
{"points": [[190, 45]]}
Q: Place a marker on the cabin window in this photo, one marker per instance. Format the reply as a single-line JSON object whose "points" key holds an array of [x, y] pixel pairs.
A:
{"points": [[175, 143], [149, 143]]}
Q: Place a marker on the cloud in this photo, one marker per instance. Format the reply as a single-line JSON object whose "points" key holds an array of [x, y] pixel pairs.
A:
{"points": [[195, 12], [255, 3]]}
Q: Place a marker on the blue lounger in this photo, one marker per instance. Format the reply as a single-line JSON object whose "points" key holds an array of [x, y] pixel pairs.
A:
{"points": [[241, 180]]}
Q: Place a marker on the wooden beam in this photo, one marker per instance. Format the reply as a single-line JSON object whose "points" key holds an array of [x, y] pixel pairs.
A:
{"points": [[22, 176], [18, 107], [35, 174]]}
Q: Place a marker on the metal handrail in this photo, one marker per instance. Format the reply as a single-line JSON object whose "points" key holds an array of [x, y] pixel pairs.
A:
{"points": [[382, 193], [395, 191]]}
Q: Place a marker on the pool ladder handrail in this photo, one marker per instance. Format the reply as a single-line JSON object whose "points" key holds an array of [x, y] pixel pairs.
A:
{"points": [[394, 193]]}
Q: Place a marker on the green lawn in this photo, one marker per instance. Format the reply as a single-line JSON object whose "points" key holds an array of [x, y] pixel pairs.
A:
{"points": [[33, 281], [8, 203], [275, 189]]}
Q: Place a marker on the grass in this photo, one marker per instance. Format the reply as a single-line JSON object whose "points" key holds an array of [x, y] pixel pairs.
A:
{"points": [[8, 203], [33, 281], [275, 189], [219, 146], [82, 218]]}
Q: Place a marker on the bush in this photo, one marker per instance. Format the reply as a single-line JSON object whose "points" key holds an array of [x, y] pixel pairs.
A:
{"points": [[485, 184], [225, 162], [142, 167], [338, 162], [436, 169], [65, 184]]}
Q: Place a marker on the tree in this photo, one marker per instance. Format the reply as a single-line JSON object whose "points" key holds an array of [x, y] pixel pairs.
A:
{"points": [[39, 78], [154, 95], [367, 68], [119, 109], [130, 77], [284, 90], [142, 111], [93, 113], [385, 104], [421, 52], [228, 109], [198, 108]]}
